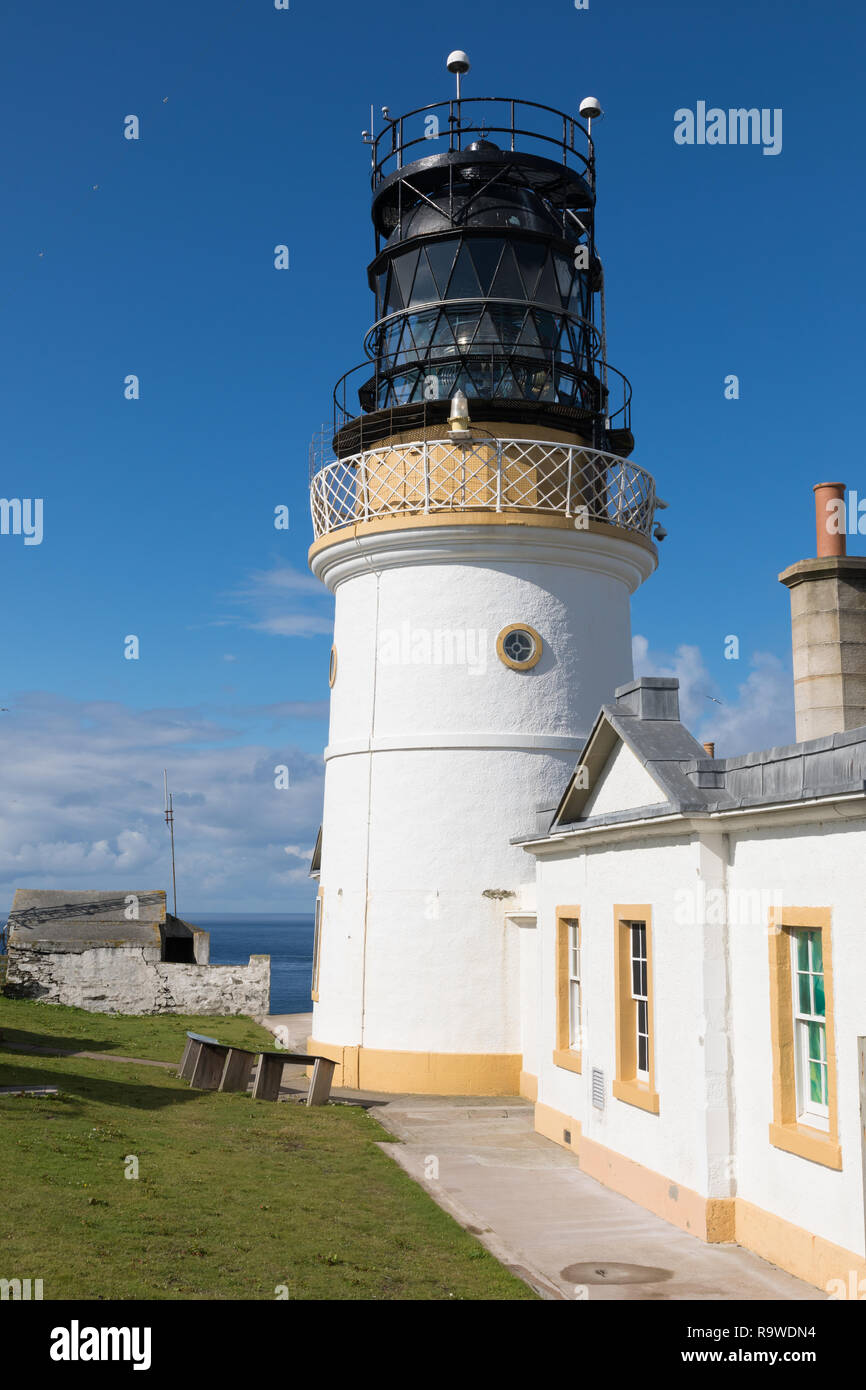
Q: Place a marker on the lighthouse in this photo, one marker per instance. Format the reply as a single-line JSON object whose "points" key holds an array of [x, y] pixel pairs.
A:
{"points": [[480, 522]]}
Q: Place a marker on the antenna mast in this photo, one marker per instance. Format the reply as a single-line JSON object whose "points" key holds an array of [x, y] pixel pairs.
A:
{"points": [[169, 820]]}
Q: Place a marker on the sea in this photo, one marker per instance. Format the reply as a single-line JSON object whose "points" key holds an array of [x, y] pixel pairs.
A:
{"points": [[286, 937]]}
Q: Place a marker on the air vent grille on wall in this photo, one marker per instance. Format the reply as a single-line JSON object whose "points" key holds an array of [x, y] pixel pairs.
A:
{"points": [[598, 1088]]}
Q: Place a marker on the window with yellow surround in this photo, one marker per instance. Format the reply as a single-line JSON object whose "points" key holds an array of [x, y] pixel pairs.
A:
{"points": [[801, 1019], [635, 1064], [569, 1004]]}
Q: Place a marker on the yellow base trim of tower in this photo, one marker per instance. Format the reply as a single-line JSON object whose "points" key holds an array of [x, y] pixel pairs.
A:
{"points": [[423, 1073]]}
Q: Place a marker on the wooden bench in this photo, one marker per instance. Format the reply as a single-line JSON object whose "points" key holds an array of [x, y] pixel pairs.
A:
{"points": [[269, 1075], [194, 1042], [209, 1065]]}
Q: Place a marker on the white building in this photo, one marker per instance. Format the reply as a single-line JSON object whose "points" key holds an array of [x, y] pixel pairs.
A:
{"points": [[669, 959], [695, 982]]}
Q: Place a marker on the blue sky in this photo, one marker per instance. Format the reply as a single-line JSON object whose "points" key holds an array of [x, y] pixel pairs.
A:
{"points": [[159, 512]]}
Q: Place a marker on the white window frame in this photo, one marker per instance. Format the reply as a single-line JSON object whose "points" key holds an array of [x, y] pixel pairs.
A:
{"points": [[641, 960], [317, 947], [809, 1112], [575, 993]]}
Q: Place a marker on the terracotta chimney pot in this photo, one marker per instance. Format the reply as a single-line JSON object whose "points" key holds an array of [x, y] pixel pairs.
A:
{"points": [[829, 542]]}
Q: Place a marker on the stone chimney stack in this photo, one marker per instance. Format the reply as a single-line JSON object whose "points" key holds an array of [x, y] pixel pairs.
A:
{"points": [[828, 625]]}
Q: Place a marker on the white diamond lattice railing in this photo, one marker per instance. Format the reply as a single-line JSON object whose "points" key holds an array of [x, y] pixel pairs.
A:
{"points": [[495, 475]]}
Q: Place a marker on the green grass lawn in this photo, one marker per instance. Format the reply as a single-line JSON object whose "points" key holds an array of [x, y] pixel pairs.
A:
{"points": [[234, 1197]]}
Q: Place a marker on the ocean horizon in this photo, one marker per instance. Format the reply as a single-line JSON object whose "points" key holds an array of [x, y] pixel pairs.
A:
{"points": [[287, 937]]}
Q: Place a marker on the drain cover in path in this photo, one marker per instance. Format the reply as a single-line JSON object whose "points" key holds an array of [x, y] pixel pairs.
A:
{"points": [[596, 1273]]}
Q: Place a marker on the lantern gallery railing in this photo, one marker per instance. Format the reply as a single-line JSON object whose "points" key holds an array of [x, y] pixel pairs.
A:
{"points": [[512, 123], [495, 475], [491, 372]]}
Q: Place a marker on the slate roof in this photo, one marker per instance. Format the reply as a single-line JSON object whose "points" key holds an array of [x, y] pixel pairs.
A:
{"points": [[646, 718]]}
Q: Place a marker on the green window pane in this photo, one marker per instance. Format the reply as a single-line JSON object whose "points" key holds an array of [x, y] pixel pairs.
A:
{"points": [[817, 951], [820, 1004], [817, 1083], [816, 1041], [803, 990], [802, 950]]}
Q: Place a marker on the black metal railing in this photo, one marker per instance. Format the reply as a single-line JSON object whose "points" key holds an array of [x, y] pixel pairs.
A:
{"points": [[492, 371], [454, 120]]}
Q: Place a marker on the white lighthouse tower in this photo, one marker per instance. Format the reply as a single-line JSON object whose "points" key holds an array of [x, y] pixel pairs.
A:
{"points": [[482, 529]]}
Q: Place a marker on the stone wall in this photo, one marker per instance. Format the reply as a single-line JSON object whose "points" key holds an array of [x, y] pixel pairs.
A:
{"points": [[133, 980]]}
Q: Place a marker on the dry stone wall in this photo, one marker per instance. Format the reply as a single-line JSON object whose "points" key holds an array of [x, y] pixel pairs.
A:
{"points": [[133, 980]]}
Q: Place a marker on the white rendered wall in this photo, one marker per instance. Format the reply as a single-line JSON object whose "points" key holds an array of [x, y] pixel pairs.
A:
{"points": [[625, 786], [711, 1008], [816, 866], [643, 872], [433, 766]]}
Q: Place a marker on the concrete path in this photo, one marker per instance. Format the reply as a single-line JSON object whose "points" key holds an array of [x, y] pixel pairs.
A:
{"points": [[529, 1203], [569, 1236], [292, 1029]]}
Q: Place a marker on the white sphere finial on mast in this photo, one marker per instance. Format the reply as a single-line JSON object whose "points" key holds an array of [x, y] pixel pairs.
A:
{"points": [[590, 109], [458, 63]]}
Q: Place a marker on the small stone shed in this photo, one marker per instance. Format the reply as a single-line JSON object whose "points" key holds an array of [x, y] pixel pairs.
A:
{"points": [[123, 952]]}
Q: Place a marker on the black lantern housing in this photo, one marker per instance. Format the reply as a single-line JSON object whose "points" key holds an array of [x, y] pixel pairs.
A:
{"points": [[486, 278]]}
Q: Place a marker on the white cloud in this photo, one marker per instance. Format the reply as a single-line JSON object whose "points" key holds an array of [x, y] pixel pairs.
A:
{"points": [[762, 716], [283, 602], [82, 805], [687, 664], [282, 579], [295, 625]]}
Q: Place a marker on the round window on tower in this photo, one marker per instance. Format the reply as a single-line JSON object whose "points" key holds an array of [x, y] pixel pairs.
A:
{"points": [[519, 646], [332, 668]]}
